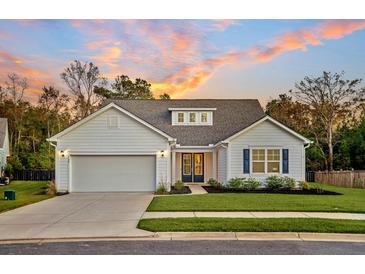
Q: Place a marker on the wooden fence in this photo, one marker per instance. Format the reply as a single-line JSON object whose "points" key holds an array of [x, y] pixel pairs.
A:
{"points": [[33, 175], [346, 178]]}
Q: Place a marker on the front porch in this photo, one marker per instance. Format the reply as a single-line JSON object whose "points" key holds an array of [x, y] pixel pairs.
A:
{"points": [[193, 166]]}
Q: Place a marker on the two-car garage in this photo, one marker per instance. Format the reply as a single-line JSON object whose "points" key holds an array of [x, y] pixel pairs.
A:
{"points": [[112, 173]]}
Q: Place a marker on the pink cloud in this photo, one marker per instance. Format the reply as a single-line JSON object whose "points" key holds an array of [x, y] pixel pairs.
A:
{"points": [[191, 77]]}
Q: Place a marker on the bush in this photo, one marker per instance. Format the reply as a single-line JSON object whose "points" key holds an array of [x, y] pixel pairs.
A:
{"points": [[8, 171], [251, 184], [304, 185], [179, 185], [214, 183], [274, 182], [3, 180], [288, 182], [51, 188], [236, 182], [162, 189]]}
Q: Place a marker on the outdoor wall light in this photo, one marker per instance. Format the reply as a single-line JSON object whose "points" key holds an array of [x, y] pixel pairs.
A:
{"points": [[162, 153], [62, 154]]}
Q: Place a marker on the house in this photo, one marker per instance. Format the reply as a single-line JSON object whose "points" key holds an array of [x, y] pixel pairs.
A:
{"points": [[133, 145], [4, 144]]}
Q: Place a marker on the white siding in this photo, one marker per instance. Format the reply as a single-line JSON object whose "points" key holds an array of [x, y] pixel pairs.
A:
{"points": [[267, 134], [95, 137], [208, 166], [222, 165], [4, 151]]}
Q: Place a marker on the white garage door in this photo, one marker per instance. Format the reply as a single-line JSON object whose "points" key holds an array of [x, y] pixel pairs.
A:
{"points": [[113, 173]]}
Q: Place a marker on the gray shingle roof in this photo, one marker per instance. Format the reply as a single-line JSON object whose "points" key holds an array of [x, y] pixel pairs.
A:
{"points": [[230, 117], [3, 122]]}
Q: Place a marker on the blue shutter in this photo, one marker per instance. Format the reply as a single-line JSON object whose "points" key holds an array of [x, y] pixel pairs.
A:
{"points": [[285, 160], [246, 161]]}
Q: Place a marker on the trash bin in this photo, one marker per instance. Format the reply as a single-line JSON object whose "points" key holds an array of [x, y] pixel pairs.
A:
{"points": [[9, 194]]}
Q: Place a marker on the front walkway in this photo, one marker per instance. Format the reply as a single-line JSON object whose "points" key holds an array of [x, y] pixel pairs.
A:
{"points": [[196, 189], [254, 214]]}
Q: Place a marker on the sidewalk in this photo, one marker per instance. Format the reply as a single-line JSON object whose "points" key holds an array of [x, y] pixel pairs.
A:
{"points": [[254, 214]]}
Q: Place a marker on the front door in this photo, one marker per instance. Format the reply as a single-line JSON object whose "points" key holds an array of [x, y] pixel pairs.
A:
{"points": [[192, 167]]}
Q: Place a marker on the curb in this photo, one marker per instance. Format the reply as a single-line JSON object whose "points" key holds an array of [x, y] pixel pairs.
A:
{"points": [[217, 236]]}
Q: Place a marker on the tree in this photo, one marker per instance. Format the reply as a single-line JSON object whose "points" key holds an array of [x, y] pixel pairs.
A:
{"points": [[81, 78], [331, 99], [165, 96], [15, 87], [124, 88], [291, 113]]}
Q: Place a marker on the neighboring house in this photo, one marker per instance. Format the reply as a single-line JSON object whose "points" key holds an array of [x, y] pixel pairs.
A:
{"points": [[4, 144], [133, 145]]}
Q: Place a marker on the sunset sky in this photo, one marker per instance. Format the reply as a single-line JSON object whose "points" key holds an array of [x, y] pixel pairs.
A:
{"points": [[186, 58]]}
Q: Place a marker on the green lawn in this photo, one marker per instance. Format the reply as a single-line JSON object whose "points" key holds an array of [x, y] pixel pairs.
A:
{"points": [[253, 225], [352, 200], [27, 192]]}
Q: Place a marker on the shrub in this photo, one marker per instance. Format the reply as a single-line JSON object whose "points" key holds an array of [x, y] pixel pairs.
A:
{"points": [[274, 182], [51, 188], [3, 180], [251, 184], [162, 189], [304, 185], [288, 182], [8, 171], [236, 182], [213, 183], [179, 185]]}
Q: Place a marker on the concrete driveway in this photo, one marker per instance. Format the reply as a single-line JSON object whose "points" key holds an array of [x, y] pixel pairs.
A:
{"points": [[78, 215]]}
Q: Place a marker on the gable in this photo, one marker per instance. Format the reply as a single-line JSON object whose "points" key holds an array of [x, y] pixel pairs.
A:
{"points": [[111, 130], [267, 133], [100, 111]]}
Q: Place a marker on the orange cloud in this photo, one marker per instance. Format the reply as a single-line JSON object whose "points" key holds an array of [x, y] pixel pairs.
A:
{"points": [[191, 77], [336, 29], [108, 56], [223, 24], [36, 78], [98, 43]]}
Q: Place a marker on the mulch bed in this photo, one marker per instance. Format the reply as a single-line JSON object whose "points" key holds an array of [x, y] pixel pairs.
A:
{"points": [[210, 189], [185, 190]]}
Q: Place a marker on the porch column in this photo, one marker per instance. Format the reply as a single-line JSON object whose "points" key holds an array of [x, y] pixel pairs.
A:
{"points": [[173, 167], [214, 169]]}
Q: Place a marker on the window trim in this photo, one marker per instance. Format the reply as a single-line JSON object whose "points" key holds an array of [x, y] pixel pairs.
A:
{"points": [[192, 122], [110, 120], [206, 116], [183, 117], [266, 160]]}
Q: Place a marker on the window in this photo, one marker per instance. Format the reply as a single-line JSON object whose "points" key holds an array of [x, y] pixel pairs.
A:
{"points": [[112, 122], [273, 160], [258, 160], [186, 164], [192, 117], [265, 160], [204, 117], [180, 117]]}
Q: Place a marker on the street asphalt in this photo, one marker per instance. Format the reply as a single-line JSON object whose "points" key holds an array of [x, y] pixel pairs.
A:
{"points": [[158, 247]]}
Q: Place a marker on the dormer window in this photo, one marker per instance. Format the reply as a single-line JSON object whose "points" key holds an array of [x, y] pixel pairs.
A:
{"points": [[192, 117], [204, 117], [180, 117]]}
